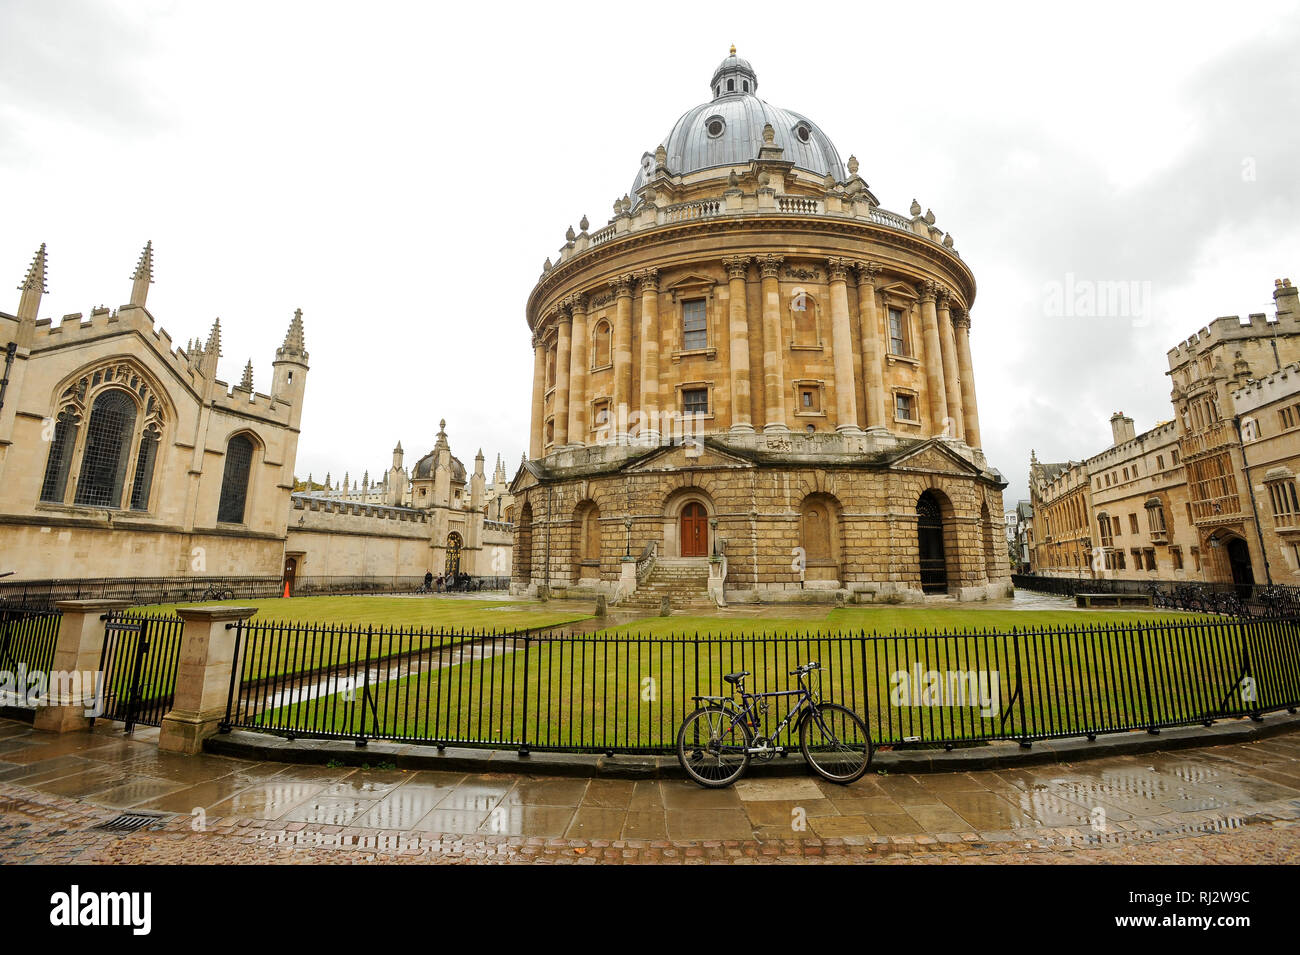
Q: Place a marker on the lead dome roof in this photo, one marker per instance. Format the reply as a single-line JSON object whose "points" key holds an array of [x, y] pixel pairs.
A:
{"points": [[696, 142]]}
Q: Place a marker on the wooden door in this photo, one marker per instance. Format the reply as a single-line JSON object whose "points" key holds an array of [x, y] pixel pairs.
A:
{"points": [[695, 531]]}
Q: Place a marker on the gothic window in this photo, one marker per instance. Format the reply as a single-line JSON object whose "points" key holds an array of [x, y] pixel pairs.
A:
{"points": [[601, 345], [107, 454], [55, 484], [234, 481], [695, 328], [144, 463]]}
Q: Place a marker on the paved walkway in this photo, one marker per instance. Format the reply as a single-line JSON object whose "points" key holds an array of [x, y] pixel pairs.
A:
{"points": [[1238, 803]]}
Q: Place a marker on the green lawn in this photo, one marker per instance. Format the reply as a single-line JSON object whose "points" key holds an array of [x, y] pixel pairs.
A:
{"points": [[633, 694]]}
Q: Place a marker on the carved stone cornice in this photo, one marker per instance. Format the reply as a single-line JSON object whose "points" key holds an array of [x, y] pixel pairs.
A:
{"points": [[648, 280], [769, 266], [838, 269], [737, 266], [621, 286], [927, 290]]}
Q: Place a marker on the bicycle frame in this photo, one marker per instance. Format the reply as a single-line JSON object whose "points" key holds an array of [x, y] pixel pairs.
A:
{"points": [[748, 712]]}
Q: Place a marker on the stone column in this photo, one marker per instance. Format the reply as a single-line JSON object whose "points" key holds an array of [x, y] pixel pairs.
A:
{"points": [[873, 352], [961, 327], [933, 358], [578, 363], [78, 648], [203, 674], [769, 267], [846, 398], [648, 283], [951, 376], [536, 440], [560, 408], [622, 288], [741, 411]]}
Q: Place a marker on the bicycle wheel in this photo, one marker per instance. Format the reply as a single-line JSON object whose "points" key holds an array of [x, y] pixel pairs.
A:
{"points": [[713, 750], [836, 743]]}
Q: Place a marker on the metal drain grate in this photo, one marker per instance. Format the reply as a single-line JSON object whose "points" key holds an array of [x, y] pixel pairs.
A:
{"points": [[128, 822]]}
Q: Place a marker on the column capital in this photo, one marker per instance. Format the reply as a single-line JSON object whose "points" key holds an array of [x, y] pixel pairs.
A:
{"points": [[960, 318], [561, 312], [577, 302], [867, 272], [838, 269], [537, 341], [769, 266], [943, 296], [648, 280], [737, 266], [928, 290], [621, 285]]}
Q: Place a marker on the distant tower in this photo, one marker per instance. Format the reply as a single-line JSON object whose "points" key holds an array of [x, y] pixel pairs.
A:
{"points": [[289, 378], [396, 479]]}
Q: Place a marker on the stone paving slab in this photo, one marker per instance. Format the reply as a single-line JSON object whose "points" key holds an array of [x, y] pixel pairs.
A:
{"points": [[213, 808]]}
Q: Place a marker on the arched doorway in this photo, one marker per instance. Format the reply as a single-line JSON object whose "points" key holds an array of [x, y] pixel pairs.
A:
{"points": [[453, 554], [290, 573], [694, 530], [819, 537], [929, 539], [1243, 576], [523, 552], [589, 540]]}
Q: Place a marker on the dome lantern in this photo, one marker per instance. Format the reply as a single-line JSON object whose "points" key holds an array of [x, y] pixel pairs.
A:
{"points": [[734, 76]]}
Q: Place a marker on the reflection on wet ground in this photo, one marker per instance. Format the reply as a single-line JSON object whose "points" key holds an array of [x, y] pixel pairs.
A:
{"points": [[1103, 800]]}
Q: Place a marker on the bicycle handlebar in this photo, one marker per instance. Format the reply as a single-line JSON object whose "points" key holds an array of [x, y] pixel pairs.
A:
{"points": [[805, 668]]}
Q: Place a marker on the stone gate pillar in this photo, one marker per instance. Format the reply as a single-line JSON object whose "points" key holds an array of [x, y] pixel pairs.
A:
{"points": [[203, 675]]}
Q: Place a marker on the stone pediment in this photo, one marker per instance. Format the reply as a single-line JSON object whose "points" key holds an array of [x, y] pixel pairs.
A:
{"points": [[684, 456], [932, 456], [523, 480]]}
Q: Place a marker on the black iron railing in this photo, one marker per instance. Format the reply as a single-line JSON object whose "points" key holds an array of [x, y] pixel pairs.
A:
{"points": [[138, 666], [27, 639], [40, 594], [618, 692]]}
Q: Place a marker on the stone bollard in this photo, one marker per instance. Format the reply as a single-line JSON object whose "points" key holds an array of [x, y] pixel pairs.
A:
{"points": [[79, 648], [602, 606], [202, 677], [665, 607]]}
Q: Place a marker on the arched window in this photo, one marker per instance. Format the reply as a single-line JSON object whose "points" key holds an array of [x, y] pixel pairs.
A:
{"points": [[144, 462], [601, 349], [803, 320], [452, 565], [930, 544], [108, 450], [55, 484], [234, 480]]}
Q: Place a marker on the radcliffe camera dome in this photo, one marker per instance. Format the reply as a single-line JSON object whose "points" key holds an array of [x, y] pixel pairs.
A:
{"points": [[728, 130]]}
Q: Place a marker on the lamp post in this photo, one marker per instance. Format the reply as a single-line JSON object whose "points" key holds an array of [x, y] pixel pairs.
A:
{"points": [[627, 524]]}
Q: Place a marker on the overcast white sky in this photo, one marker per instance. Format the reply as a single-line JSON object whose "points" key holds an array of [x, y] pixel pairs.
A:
{"points": [[400, 171]]}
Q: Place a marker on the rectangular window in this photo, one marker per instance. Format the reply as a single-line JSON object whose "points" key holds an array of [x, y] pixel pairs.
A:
{"points": [[1287, 419], [1175, 457], [1176, 555], [809, 400], [903, 407], [1160, 462], [897, 338], [1133, 523], [1196, 559], [695, 401], [695, 329]]}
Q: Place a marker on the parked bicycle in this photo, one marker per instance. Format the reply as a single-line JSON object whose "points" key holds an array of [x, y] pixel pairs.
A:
{"points": [[717, 741], [217, 593]]}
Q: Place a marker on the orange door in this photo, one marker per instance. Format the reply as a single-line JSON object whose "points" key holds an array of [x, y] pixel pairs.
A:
{"points": [[695, 531]]}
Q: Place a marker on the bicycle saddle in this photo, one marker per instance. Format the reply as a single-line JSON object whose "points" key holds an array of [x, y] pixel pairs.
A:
{"points": [[735, 678]]}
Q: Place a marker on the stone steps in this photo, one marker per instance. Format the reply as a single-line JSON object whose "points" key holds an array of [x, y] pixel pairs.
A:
{"points": [[684, 581]]}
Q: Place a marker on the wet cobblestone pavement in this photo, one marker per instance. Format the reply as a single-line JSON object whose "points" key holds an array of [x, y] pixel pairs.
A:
{"points": [[1238, 803]]}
